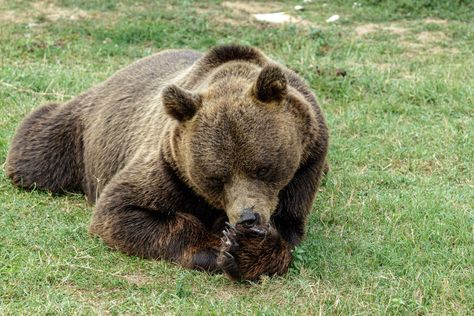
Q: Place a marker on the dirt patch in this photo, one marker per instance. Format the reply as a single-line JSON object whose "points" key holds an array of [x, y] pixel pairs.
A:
{"points": [[137, 279], [230, 21], [423, 49], [254, 7], [239, 13], [431, 37], [415, 45], [46, 11], [224, 17], [396, 29], [364, 29], [436, 21], [8, 16], [384, 66], [86, 297], [441, 50], [53, 13], [427, 42], [361, 30]]}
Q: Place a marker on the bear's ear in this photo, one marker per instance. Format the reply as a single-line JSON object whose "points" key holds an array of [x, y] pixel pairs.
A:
{"points": [[271, 84], [179, 103]]}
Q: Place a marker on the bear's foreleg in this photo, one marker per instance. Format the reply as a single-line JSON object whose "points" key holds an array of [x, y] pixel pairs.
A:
{"points": [[139, 213], [176, 237]]}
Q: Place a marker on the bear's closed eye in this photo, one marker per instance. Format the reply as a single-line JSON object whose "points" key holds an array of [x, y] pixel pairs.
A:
{"points": [[262, 172], [216, 182]]}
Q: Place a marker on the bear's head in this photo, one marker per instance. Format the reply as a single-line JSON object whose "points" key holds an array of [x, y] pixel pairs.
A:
{"points": [[239, 141]]}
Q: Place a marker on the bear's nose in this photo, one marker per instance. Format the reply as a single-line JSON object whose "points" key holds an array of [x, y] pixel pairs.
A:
{"points": [[249, 218]]}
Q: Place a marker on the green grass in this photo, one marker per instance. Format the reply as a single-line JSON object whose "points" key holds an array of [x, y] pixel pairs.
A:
{"points": [[392, 227]]}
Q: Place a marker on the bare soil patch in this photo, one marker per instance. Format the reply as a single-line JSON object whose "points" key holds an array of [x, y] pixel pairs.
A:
{"points": [[252, 7], [427, 41], [239, 13], [44, 10], [137, 279], [364, 29], [361, 30], [53, 13], [436, 21], [396, 29], [431, 37]]}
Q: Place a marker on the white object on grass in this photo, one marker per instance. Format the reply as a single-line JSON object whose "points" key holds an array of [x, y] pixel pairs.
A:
{"points": [[278, 17], [333, 18]]}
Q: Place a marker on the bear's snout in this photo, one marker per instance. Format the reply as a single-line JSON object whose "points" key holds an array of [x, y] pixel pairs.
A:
{"points": [[249, 218], [249, 202]]}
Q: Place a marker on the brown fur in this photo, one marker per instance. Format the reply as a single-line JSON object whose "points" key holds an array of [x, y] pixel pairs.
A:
{"points": [[176, 144]]}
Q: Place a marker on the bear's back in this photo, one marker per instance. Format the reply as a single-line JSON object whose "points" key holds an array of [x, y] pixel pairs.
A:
{"points": [[120, 113]]}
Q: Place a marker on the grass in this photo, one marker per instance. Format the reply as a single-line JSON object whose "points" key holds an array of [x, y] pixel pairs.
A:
{"points": [[392, 227]]}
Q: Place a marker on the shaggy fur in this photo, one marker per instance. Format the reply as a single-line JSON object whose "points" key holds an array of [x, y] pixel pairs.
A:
{"points": [[175, 145]]}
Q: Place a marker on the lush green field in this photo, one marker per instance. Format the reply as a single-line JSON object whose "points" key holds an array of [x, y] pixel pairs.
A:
{"points": [[392, 227]]}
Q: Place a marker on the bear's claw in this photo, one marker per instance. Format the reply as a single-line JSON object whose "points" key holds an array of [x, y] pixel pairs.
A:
{"points": [[258, 231]]}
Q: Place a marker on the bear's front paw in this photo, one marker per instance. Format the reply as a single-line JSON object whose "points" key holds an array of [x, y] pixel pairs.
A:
{"points": [[248, 252]]}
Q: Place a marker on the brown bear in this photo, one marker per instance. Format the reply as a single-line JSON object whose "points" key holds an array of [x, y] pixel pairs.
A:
{"points": [[209, 160]]}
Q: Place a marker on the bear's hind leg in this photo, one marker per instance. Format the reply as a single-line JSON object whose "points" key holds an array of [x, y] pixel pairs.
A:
{"points": [[44, 152]]}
